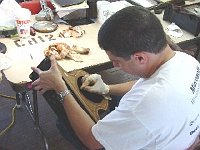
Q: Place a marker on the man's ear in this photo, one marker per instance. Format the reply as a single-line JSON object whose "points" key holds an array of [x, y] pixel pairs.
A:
{"points": [[140, 57]]}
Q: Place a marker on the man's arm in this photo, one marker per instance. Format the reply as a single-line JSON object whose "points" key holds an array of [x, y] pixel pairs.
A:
{"points": [[80, 122], [78, 118]]}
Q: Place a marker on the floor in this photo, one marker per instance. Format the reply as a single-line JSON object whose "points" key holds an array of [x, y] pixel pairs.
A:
{"points": [[24, 135]]}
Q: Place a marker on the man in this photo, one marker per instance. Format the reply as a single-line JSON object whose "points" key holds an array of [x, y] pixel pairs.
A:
{"points": [[159, 111]]}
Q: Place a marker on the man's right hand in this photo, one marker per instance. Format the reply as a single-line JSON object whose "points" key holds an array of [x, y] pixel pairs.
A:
{"points": [[93, 83]]}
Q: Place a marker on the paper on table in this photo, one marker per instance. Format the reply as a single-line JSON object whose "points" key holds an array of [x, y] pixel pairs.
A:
{"points": [[5, 62], [164, 1], [62, 11], [174, 30], [105, 9], [145, 3]]}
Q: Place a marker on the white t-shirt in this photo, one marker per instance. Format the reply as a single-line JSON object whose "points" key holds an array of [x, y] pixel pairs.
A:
{"points": [[161, 112]]}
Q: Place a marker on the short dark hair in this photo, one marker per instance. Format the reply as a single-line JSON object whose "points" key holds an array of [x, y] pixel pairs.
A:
{"points": [[130, 30]]}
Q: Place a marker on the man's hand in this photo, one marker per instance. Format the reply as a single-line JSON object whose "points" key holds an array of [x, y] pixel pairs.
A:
{"points": [[93, 83], [50, 79]]}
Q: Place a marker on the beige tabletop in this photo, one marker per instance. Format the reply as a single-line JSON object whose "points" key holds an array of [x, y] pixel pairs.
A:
{"points": [[32, 53]]}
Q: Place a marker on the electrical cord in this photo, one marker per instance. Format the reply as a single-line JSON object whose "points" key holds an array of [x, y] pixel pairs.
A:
{"points": [[12, 122], [13, 114], [6, 96]]}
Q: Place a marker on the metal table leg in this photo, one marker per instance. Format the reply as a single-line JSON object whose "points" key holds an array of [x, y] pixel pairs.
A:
{"points": [[31, 104], [35, 108], [36, 118], [18, 97], [32, 107]]}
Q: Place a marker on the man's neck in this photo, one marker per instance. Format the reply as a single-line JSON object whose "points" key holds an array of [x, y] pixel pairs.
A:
{"points": [[160, 59]]}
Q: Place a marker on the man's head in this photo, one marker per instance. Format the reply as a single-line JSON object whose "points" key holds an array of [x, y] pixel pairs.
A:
{"points": [[130, 31]]}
